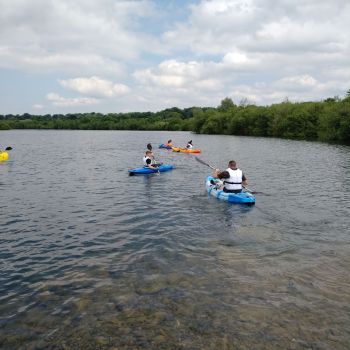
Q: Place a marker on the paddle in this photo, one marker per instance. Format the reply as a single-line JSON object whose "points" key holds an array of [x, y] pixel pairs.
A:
{"points": [[204, 163], [9, 148], [211, 167]]}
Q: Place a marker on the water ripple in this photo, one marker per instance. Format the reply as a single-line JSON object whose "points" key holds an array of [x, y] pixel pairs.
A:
{"points": [[93, 258]]}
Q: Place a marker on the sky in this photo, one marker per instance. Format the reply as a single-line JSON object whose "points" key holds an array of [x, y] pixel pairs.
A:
{"points": [[113, 56]]}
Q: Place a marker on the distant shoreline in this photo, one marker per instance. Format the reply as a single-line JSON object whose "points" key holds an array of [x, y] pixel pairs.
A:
{"points": [[325, 121]]}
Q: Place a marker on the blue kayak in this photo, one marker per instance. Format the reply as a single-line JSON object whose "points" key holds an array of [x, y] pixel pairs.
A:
{"points": [[242, 197], [165, 146], [146, 170]]}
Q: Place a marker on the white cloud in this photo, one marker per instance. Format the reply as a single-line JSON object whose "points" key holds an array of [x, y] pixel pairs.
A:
{"points": [[237, 58], [306, 81], [177, 83], [264, 50], [60, 101], [183, 84], [206, 74], [69, 63], [295, 88], [218, 26], [38, 106], [58, 35], [95, 86]]}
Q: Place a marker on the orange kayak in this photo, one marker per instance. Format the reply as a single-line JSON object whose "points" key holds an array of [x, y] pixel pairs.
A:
{"points": [[185, 150]]}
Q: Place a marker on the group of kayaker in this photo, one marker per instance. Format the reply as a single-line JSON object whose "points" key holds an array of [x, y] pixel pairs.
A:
{"points": [[231, 180], [169, 144], [149, 160]]}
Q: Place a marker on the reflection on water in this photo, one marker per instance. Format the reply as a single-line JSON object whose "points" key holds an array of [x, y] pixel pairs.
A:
{"points": [[94, 259]]}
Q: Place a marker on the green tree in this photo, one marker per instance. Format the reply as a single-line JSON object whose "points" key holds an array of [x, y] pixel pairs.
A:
{"points": [[226, 104]]}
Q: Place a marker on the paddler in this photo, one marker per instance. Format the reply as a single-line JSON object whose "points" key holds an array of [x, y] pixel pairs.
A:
{"points": [[189, 145], [233, 178], [148, 160]]}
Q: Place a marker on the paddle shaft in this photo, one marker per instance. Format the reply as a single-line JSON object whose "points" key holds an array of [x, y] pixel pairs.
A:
{"points": [[204, 163]]}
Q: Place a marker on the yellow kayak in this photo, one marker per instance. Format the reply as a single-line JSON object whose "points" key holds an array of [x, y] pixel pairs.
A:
{"points": [[185, 150], [4, 156]]}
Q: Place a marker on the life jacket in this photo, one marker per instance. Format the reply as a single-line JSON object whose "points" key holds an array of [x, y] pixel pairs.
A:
{"points": [[189, 146], [145, 158], [234, 182]]}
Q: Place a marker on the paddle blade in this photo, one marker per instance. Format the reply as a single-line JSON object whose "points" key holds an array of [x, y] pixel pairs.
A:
{"points": [[249, 190], [149, 146], [9, 148]]}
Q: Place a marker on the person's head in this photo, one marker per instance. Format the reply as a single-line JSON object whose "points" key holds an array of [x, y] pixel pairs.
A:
{"points": [[232, 164], [169, 141], [148, 153], [224, 175]]}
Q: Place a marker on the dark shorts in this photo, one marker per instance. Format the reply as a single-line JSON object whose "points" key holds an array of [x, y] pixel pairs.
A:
{"points": [[232, 191]]}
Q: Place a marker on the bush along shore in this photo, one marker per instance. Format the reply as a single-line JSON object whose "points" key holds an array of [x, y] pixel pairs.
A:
{"points": [[327, 121]]}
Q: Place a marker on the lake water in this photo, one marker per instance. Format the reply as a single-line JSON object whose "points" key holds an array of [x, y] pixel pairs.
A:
{"points": [[91, 258]]}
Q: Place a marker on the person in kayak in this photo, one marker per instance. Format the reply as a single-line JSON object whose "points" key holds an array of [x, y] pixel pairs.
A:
{"points": [[189, 145], [148, 160], [232, 178], [6, 149], [169, 143]]}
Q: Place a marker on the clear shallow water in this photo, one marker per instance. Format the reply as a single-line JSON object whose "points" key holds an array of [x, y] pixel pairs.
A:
{"points": [[91, 258]]}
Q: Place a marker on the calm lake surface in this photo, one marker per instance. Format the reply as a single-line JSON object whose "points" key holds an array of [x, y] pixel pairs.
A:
{"points": [[91, 258]]}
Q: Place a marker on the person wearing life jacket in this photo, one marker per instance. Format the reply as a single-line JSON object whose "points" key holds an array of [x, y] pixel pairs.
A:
{"points": [[148, 160], [169, 143], [189, 145], [233, 178]]}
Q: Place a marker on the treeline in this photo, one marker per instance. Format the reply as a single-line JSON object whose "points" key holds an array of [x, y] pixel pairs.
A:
{"points": [[328, 120], [169, 119]]}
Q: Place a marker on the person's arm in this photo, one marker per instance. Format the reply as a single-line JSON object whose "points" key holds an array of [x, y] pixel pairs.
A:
{"points": [[154, 161], [149, 165], [216, 173], [244, 181]]}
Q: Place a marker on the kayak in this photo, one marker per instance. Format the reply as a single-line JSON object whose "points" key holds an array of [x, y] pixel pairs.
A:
{"points": [[145, 170], [164, 146], [185, 150], [242, 197], [4, 156]]}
